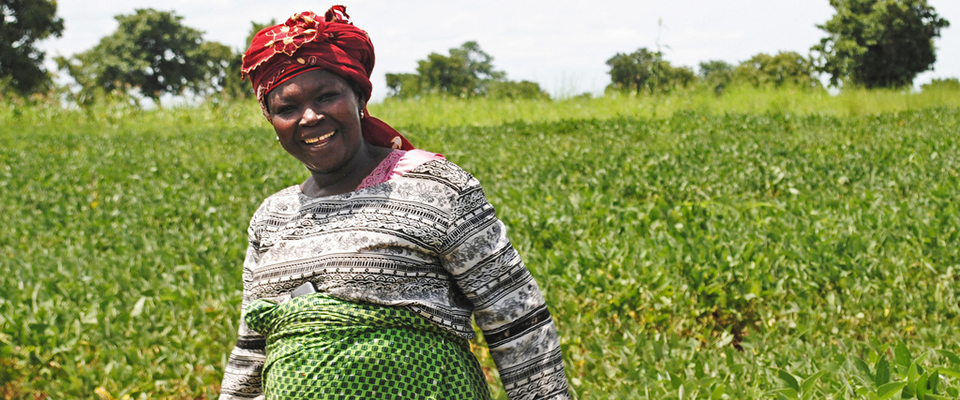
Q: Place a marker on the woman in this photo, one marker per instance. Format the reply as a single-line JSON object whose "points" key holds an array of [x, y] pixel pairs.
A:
{"points": [[361, 281]]}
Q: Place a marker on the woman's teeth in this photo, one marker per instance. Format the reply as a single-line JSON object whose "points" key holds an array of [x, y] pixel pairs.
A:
{"points": [[317, 139]]}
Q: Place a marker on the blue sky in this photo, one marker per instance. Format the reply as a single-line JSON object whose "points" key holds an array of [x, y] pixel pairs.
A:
{"points": [[561, 44]]}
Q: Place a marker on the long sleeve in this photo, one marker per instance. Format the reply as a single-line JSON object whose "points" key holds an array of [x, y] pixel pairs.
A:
{"points": [[508, 304], [241, 377]]}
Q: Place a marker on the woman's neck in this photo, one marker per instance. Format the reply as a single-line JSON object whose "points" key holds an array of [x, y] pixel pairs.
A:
{"points": [[347, 178]]}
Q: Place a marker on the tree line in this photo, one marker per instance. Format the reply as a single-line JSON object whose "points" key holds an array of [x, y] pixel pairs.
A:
{"points": [[868, 43], [646, 71]]}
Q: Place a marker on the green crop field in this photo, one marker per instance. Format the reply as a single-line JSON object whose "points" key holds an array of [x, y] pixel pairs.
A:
{"points": [[779, 246]]}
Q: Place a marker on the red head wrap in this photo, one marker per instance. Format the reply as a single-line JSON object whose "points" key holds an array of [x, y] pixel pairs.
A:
{"points": [[307, 42]]}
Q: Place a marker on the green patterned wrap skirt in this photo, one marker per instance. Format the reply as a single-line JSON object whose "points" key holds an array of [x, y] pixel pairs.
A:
{"points": [[319, 347]]}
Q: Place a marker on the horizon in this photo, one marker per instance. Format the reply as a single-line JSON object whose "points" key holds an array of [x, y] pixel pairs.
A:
{"points": [[548, 42]]}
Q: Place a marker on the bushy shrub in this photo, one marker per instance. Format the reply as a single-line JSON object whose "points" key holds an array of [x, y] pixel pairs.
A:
{"points": [[783, 69], [945, 84], [516, 90]]}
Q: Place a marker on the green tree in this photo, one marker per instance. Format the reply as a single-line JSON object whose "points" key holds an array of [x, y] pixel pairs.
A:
{"points": [[676, 77], [717, 74], [404, 85], [634, 71], [878, 43], [466, 72], [22, 24], [152, 52], [647, 70], [784, 69]]}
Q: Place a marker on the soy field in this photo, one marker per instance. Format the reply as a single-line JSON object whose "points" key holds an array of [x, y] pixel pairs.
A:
{"points": [[793, 250]]}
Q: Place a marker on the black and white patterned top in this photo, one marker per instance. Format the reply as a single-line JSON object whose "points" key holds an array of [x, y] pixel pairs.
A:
{"points": [[428, 241]]}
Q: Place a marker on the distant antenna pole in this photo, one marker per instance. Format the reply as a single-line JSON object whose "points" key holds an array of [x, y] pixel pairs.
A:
{"points": [[658, 57], [659, 32]]}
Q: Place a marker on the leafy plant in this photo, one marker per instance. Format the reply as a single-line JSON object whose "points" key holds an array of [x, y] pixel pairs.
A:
{"points": [[683, 253]]}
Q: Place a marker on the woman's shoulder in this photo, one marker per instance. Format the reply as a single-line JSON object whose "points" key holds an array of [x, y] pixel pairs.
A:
{"points": [[443, 171], [285, 201]]}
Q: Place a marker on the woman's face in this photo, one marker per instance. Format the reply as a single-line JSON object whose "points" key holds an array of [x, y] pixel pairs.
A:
{"points": [[317, 119]]}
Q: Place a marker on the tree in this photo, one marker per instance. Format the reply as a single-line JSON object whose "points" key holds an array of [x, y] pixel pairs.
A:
{"points": [[22, 24], [676, 77], [448, 75], [647, 70], [220, 71], [784, 69], [878, 43], [153, 52], [468, 71], [633, 71], [465, 72], [404, 85], [718, 70], [716, 74]]}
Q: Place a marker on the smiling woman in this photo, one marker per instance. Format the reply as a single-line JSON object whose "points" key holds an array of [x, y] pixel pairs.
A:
{"points": [[362, 282], [317, 119]]}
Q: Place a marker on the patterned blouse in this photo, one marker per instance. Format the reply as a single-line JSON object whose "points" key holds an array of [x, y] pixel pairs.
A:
{"points": [[426, 240]]}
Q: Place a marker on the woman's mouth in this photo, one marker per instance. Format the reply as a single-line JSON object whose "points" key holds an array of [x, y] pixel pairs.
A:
{"points": [[318, 138]]}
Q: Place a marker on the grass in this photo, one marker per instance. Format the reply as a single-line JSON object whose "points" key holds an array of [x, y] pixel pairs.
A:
{"points": [[444, 112], [717, 251]]}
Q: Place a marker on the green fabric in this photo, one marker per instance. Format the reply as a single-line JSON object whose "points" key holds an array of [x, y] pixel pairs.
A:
{"points": [[319, 347]]}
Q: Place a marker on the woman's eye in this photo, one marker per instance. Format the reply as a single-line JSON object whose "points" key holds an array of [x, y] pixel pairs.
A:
{"points": [[285, 109], [327, 96]]}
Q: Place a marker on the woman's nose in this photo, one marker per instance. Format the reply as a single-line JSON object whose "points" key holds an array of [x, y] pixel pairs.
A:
{"points": [[311, 117]]}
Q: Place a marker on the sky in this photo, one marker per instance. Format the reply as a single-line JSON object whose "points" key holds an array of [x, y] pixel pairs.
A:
{"points": [[561, 44]]}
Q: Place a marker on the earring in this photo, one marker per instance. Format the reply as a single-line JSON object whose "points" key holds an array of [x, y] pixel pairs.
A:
{"points": [[278, 138], [361, 114]]}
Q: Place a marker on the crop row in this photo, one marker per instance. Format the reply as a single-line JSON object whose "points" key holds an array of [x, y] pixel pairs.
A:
{"points": [[693, 256]]}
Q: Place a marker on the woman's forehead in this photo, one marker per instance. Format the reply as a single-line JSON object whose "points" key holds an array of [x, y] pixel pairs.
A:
{"points": [[308, 81]]}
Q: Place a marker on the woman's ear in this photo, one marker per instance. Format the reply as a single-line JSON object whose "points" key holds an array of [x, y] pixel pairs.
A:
{"points": [[361, 101]]}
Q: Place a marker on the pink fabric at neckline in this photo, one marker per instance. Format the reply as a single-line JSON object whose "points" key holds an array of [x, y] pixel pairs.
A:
{"points": [[397, 163]]}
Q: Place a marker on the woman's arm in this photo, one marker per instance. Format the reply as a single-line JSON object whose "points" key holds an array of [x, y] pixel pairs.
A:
{"points": [[508, 304], [242, 374]]}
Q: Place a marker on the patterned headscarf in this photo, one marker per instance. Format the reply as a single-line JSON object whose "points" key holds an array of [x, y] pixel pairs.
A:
{"points": [[307, 42]]}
